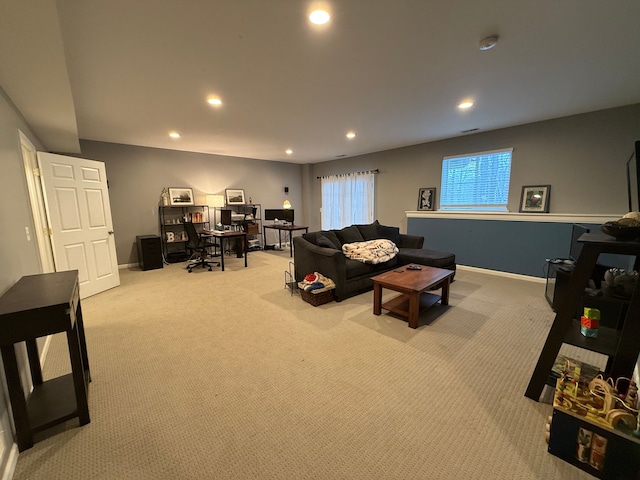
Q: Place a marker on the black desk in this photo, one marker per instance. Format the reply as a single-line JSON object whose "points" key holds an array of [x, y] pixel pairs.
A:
{"points": [[222, 234], [286, 228], [36, 306]]}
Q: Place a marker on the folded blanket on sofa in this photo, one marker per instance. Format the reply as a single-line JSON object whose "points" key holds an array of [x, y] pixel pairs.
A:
{"points": [[371, 251]]}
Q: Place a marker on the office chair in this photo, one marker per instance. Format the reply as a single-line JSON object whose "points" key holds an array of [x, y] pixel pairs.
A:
{"points": [[198, 247]]}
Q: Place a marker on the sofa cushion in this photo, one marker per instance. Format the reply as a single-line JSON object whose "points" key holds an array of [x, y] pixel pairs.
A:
{"points": [[323, 241], [349, 234], [430, 258], [369, 231], [390, 233], [356, 269], [313, 237]]}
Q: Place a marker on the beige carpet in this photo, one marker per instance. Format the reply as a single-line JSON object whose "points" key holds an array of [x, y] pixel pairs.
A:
{"points": [[225, 375]]}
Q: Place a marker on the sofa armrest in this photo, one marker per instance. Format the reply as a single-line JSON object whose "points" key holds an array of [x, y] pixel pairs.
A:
{"points": [[411, 241], [309, 258]]}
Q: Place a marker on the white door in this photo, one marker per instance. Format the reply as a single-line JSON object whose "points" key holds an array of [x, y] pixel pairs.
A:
{"points": [[79, 214]]}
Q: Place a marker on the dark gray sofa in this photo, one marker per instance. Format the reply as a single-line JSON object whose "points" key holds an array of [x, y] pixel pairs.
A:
{"points": [[321, 252]]}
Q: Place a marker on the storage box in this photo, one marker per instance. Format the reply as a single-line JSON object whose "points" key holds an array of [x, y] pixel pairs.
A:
{"points": [[569, 433], [251, 228], [316, 299]]}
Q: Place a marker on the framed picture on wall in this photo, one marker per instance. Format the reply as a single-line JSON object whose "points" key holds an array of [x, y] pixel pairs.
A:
{"points": [[180, 196], [234, 197], [427, 199], [535, 198]]}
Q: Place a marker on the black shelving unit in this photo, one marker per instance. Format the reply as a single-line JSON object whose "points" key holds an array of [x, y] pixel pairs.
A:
{"points": [[621, 345], [248, 218], [172, 232]]}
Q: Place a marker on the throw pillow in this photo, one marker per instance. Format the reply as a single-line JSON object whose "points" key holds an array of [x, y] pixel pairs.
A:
{"points": [[331, 236], [349, 234], [390, 233], [323, 241], [369, 231]]}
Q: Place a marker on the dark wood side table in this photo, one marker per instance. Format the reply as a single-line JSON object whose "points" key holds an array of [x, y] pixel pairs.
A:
{"points": [[286, 228], [36, 306]]}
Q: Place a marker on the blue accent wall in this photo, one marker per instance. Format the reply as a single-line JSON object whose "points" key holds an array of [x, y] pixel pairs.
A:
{"points": [[519, 247]]}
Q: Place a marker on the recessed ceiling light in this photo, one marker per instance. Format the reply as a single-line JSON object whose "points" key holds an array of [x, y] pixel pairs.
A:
{"points": [[215, 101], [288, 151], [465, 105], [351, 135], [174, 135], [319, 17]]}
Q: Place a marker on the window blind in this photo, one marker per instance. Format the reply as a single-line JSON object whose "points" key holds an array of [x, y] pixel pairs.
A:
{"points": [[478, 181]]}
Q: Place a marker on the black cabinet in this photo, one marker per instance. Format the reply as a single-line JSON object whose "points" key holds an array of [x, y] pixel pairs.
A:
{"points": [[613, 309], [149, 251]]}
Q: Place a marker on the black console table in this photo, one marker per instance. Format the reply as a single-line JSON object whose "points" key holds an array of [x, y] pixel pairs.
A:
{"points": [[621, 345], [36, 306]]}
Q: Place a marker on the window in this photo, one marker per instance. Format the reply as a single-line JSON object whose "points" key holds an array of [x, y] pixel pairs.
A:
{"points": [[479, 181], [347, 199]]}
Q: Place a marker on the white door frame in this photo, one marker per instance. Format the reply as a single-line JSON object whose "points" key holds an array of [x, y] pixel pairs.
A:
{"points": [[42, 230]]}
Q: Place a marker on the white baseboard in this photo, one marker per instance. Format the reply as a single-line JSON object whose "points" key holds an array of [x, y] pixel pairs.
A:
{"points": [[10, 465], [128, 265], [503, 274]]}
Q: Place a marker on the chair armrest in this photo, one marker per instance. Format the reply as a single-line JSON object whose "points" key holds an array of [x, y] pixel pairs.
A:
{"points": [[411, 241]]}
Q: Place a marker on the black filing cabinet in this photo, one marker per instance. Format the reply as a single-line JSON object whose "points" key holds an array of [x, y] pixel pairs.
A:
{"points": [[149, 251]]}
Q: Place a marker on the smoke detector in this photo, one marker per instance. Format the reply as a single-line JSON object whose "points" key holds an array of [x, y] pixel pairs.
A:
{"points": [[488, 42]]}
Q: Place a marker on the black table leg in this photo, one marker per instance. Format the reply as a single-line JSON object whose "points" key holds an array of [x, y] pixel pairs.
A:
{"points": [[222, 253], [16, 396]]}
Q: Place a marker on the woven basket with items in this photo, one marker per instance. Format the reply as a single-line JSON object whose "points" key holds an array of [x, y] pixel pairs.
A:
{"points": [[316, 289]]}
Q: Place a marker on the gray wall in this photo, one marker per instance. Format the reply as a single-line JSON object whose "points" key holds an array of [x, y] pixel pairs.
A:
{"points": [[137, 176], [582, 157]]}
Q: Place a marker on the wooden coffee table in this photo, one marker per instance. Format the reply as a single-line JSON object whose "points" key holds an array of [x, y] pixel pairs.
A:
{"points": [[413, 286]]}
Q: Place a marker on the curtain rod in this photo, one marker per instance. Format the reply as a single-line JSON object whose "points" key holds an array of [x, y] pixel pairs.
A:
{"points": [[352, 173]]}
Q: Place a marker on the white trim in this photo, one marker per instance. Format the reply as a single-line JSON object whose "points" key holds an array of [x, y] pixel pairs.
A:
{"points": [[475, 154], [34, 187], [498, 273], [12, 461], [515, 217], [128, 265]]}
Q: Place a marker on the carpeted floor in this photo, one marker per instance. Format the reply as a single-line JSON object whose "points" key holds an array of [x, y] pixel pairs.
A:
{"points": [[226, 375]]}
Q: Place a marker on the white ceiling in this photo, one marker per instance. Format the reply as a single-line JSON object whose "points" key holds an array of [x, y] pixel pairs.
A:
{"points": [[391, 70]]}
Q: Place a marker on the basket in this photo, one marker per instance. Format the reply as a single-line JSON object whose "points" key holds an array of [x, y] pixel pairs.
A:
{"points": [[316, 299]]}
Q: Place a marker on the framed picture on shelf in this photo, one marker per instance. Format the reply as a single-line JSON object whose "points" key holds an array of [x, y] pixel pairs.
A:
{"points": [[234, 197], [427, 199], [180, 196], [535, 198]]}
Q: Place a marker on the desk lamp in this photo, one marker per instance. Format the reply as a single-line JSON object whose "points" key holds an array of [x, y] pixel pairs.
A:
{"points": [[215, 202]]}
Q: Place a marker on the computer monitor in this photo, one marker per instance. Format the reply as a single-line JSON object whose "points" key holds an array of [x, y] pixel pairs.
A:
{"points": [[225, 217], [282, 214], [287, 215], [272, 214]]}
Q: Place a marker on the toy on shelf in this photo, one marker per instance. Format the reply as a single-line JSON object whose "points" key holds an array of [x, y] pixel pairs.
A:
{"points": [[589, 322], [605, 402]]}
